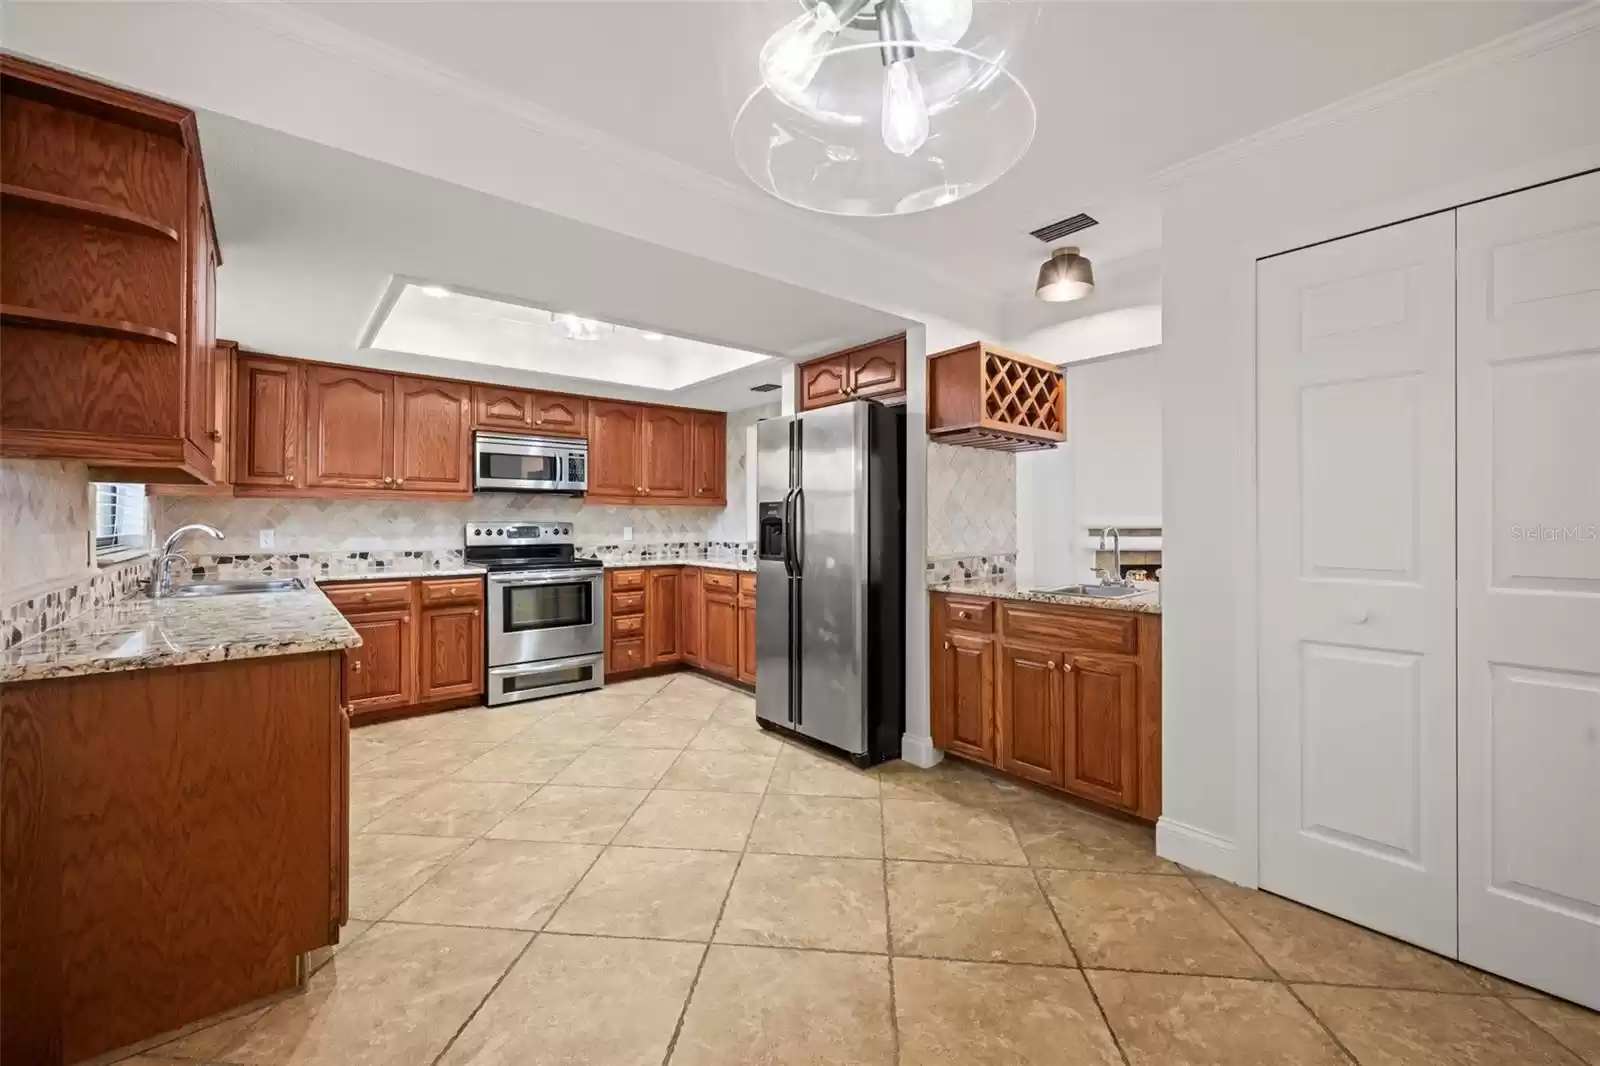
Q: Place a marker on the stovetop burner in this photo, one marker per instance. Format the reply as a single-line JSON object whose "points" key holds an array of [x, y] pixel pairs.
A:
{"points": [[501, 546]]}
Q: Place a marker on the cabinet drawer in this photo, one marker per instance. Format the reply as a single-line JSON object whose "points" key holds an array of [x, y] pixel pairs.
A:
{"points": [[1089, 629], [451, 590], [721, 580], [747, 584], [627, 579], [627, 602], [369, 596], [977, 616], [627, 654], [631, 625]]}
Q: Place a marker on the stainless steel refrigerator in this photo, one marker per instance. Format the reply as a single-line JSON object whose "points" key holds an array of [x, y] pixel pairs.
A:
{"points": [[830, 598]]}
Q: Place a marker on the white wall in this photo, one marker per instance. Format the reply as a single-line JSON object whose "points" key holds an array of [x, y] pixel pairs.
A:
{"points": [[1495, 120], [1114, 421]]}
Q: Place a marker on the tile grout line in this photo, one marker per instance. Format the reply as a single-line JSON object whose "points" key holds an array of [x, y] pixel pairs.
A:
{"points": [[888, 924], [705, 954], [1094, 997], [1281, 980]]}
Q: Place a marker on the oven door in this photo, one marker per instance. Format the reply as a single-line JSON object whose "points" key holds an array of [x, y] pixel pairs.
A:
{"points": [[518, 463], [555, 615], [554, 677]]}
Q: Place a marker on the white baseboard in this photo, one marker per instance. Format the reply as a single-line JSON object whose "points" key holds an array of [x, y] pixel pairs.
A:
{"points": [[1197, 849], [919, 751]]}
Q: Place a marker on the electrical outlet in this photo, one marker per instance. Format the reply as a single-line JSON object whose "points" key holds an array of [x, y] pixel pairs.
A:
{"points": [[627, 533], [267, 537]]}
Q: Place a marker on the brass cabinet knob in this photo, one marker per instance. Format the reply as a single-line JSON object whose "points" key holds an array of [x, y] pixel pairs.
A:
{"points": [[1066, 667], [289, 478], [399, 481], [1051, 664], [474, 613], [215, 434], [355, 667], [961, 614], [388, 481], [366, 595], [947, 645]]}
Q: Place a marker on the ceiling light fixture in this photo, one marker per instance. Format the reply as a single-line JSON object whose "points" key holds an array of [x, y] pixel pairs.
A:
{"points": [[886, 107], [576, 327], [652, 336], [433, 290], [1066, 276]]}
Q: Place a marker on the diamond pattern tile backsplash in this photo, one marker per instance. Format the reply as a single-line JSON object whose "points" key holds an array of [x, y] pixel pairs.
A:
{"points": [[972, 502]]}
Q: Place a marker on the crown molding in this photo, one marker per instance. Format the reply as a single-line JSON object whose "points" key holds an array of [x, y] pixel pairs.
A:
{"points": [[1511, 48], [347, 45]]}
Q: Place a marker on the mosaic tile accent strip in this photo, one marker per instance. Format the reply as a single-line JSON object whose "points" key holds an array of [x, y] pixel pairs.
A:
{"points": [[950, 568], [325, 564], [736, 553], [27, 618]]}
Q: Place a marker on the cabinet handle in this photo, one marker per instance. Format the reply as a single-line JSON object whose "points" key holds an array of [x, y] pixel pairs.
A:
{"points": [[215, 434], [961, 614], [399, 481], [947, 645], [388, 480], [289, 478], [474, 614], [1066, 668], [366, 595], [355, 667], [1051, 664]]}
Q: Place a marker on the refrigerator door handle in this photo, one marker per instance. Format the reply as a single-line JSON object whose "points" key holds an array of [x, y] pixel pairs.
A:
{"points": [[799, 532], [788, 532]]}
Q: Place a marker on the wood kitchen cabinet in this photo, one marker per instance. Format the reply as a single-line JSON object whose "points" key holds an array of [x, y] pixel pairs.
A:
{"points": [[546, 414], [709, 456], [349, 428], [747, 628], [662, 643], [616, 436], [107, 280], [667, 458], [876, 370], [980, 396], [690, 615], [268, 426], [1064, 696], [432, 435], [719, 648], [422, 642]]}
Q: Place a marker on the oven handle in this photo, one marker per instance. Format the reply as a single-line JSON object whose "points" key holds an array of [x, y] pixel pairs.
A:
{"points": [[548, 579], [543, 668]]}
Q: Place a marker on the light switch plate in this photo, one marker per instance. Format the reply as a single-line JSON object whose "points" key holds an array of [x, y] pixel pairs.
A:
{"points": [[267, 538], [627, 532]]}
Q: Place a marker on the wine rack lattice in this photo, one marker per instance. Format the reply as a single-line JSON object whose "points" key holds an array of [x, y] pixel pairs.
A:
{"points": [[1022, 395]]}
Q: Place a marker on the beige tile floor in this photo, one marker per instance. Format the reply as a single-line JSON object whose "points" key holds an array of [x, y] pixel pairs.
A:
{"points": [[642, 876]]}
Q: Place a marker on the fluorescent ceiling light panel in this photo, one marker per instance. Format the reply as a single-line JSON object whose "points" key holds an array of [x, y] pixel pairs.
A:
{"points": [[428, 320]]}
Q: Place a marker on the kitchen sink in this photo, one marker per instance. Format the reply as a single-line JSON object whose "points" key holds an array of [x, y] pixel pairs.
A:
{"points": [[1105, 592], [236, 588]]}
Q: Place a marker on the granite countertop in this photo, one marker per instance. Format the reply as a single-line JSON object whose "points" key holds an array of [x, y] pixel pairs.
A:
{"points": [[708, 564], [139, 634], [1148, 601], [401, 572]]}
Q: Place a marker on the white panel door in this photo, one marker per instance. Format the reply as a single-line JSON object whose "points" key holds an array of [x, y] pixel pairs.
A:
{"points": [[1529, 352], [1356, 525]]}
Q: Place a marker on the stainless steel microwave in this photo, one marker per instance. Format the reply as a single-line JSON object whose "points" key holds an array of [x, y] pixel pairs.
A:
{"points": [[504, 462]]}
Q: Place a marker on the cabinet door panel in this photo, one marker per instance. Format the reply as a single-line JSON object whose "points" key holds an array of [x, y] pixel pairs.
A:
{"points": [[666, 452], [747, 643], [201, 420], [879, 370], [432, 436], [824, 382], [614, 446], [495, 408], [350, 428], [689, 636], [710, 458], [451, 659], [559, 416], [720, 653], [268, 427], [965, 695], [1102, 730], [661, 616], [377, 675], [1031, 690]]}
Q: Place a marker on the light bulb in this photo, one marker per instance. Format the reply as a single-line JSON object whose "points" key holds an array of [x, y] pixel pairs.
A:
{"points": [[905, 112], [939, 23], [792, 56]]}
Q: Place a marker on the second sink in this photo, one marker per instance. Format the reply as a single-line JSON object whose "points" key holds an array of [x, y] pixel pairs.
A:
{"points": [[235, 588]]}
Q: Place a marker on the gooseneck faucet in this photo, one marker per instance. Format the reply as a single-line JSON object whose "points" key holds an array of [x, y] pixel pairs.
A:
{"points": [[161, 565], [1113, 577]]}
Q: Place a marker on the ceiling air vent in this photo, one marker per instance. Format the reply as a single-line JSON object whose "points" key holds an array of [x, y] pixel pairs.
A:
{"points": [[765, 388], [1066, 227]]}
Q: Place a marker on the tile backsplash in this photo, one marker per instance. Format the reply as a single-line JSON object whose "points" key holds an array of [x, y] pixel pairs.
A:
{"points": [[972, 502], [46, 519]]}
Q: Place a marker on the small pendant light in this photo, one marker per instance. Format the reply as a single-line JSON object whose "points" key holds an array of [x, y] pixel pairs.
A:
{"points": [[1065, 276]]}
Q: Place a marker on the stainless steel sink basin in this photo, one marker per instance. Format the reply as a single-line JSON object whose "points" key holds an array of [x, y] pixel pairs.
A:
{"points": [[1104, 592], [236, 588]]}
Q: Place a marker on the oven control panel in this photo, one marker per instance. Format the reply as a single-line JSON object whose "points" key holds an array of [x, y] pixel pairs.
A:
{"points": [[502, 533]]}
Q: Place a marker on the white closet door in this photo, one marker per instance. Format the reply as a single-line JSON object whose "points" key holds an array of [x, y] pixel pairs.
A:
{"points": [[1356, 429], [1529, 332]]}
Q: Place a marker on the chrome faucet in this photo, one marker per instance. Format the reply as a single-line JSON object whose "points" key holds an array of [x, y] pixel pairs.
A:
{"points": [[161, 565], [1107, 579]]}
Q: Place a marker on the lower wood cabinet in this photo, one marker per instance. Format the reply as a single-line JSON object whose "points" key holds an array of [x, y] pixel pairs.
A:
{"points": [[1062, 696], [422, 642], [701, 617]]}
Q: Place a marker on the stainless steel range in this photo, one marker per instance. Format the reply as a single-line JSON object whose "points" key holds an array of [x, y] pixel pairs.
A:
{"points": [[546, 627]]}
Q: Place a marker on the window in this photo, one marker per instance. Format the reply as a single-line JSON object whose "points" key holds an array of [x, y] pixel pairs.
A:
{"points": [[121, 525]]}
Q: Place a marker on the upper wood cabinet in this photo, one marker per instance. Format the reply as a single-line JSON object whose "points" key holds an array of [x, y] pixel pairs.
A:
{"points": [[521, 411], [267, 424], [981, 396], [709, 457], [616, 433], [666, 460], [876, 370], [432, 435], [350, 428], [106, 280]]}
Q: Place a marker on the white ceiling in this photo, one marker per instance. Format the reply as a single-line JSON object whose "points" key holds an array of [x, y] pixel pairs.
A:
{"points": [[1123, 91], [312, 238]]}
